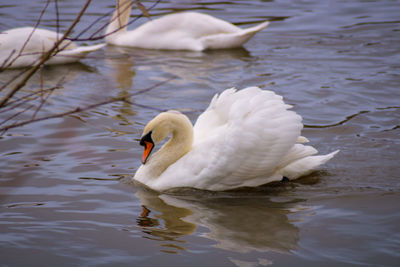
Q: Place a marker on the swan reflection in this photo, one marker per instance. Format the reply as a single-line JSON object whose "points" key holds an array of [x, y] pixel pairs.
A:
{"points": [[47, 76], [187, 66], [239, 223], [121, 66]]}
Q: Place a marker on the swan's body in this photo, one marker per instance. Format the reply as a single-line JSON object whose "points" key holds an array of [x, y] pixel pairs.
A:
{"points": [[180, 31], [16, 51], [245, 138]]}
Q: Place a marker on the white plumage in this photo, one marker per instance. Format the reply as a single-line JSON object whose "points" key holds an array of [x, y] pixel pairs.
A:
{"points": [[23, 47], [244, 138], [180, 31]]}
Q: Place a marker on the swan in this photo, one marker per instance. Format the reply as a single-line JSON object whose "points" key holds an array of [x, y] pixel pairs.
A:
{"points": [[180, 31], [17, 52], [245, 138]]}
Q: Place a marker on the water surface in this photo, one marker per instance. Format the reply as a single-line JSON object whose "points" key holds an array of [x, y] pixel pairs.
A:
{"points": [[66, 196]]}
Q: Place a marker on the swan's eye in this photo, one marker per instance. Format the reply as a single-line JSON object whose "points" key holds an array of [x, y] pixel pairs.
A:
{"points": [[146, 138]]}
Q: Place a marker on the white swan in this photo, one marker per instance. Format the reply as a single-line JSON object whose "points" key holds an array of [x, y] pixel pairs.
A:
{"points": [[17, 52], [180, 31], [245, 138]]}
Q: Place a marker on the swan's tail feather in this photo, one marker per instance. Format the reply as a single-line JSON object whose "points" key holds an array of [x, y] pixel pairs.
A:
{"points": [[74, 54], [306, 165], [231, 40], [302, 139], [83, 49], [256, 28]]}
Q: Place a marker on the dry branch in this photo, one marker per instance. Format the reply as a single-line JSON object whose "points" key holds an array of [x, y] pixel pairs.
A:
{"points": [[14, 105], [93, 37], [86, 108], [45, 57], [6, 63]]}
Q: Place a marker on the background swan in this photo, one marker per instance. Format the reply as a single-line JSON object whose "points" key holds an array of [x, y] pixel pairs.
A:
{"points": [[180, 31], [12, 48], [244, 138]]}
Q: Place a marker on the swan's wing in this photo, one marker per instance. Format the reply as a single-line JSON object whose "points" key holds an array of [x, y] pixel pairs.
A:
{"points": [[193, 24], [74, 54], [241, 138], [179, 31]]}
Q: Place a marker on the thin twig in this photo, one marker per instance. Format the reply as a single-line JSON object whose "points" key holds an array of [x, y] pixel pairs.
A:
{"points": [[143, 9], [17, 105], [26, 98], [79, 109], [57, 17], [30, 35], [15, 115], [152, 87], [144, 106], [2, 67], [101, 29], [108, 14], [43, 100], [59, 115]]}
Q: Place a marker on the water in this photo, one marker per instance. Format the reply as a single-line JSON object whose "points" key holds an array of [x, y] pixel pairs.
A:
{"points": [[66, 196]]}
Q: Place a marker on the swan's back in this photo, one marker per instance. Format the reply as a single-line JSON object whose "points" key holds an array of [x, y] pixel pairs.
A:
{"points": [[185, 31], [251, 131], [238, 141], [191, 24], [174, 31]]}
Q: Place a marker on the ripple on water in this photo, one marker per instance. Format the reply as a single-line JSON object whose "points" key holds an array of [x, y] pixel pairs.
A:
{"points": [[65, 189]]}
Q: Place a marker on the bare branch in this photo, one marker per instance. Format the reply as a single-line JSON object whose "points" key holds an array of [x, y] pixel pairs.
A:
{"points": [[45, 57], [8, 64], [35, 101], [57, 17], [143, 9], [26, 98], [43, 100], [3, 65], [93, 37], [79, 109], [15, 115]]}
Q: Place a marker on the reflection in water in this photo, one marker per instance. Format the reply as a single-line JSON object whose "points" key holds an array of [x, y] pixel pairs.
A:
{"points": [[122, 72], [48, 76], [121, 65], [187, 67], [168, 224], [240, 223], [202, 64]]}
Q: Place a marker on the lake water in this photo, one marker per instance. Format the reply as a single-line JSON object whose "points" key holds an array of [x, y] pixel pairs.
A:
{"points": [[65, 193]]}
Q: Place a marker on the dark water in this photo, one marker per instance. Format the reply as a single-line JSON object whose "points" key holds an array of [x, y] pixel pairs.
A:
{"points": [[66, 196]]}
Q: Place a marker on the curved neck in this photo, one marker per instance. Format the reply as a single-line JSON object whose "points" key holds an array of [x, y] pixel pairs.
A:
{"points": [[120, 18], [178, 145]]}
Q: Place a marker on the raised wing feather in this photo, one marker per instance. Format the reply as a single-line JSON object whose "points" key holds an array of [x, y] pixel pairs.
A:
{"points": [[246, 134]]}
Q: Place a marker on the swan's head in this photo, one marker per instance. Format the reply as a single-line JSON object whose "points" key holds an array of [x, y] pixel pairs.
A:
{"points": [[160, 127]]}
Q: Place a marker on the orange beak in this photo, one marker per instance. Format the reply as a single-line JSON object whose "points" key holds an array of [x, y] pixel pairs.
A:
{"points": [[148, 147]]}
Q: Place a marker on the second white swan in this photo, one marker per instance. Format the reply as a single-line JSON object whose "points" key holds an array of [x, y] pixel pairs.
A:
{"points": [[180, 31]]}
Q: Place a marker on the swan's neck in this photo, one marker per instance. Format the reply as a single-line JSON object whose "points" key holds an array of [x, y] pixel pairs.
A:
{"points": [[177, 146], [119, 19]]}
